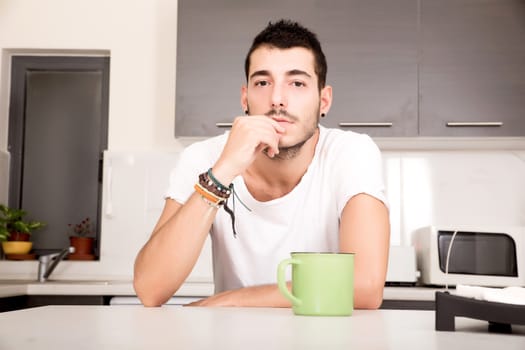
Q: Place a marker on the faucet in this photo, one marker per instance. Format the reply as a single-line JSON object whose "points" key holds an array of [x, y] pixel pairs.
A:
{"points": [[48, 262]]}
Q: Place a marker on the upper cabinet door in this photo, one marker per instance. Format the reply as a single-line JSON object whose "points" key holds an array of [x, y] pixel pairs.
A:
{"points": [[472, 69], [371, 48]]}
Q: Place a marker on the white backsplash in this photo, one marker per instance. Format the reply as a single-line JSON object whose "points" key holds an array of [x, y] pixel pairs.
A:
{"points": [[481, 188], [463, 188], [424, 188], [133, 198]]}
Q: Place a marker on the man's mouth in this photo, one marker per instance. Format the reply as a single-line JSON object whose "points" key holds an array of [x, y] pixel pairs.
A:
{"points": [[280, 116], [282, 120]]}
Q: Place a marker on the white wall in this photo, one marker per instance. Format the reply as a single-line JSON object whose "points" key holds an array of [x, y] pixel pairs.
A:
{"points": [[140, 36]]}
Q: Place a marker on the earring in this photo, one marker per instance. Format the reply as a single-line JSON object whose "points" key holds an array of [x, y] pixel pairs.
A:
{"points": [[245, 111], [323, 115]]}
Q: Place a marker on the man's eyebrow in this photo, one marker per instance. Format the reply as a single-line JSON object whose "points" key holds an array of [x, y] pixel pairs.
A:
{"points": [[292, 72], [298, 72], [264, 73]]}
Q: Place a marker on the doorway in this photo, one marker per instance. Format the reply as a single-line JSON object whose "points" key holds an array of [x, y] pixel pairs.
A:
{"points": [[58, 122]]}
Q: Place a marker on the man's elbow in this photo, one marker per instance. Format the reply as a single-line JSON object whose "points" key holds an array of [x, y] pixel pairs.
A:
{"points": [[148, 297], [369, 296], [371, 302]]}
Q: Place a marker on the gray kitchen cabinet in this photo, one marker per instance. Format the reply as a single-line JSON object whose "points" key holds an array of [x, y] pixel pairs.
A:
{"points": [[472, 69], [370, 47], [398, 67]]}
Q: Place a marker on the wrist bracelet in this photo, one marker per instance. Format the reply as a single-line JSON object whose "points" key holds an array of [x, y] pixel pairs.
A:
{"points": [[214, 187], [210, 203], [217, 182], [215, 194], [212, 197]]}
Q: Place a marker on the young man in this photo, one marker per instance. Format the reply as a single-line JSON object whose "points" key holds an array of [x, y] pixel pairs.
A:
{"points": [[297, 186]]}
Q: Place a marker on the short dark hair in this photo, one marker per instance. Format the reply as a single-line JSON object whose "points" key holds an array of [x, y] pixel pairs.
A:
{"points": [[286, 34]]}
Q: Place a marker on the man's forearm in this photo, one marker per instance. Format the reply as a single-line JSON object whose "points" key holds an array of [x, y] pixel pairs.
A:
{"points": [[365, 297], [256, 296], [170, 254]]}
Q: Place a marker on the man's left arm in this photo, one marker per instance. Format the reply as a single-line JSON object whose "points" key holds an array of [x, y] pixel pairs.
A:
{"points": [[365, 231]]}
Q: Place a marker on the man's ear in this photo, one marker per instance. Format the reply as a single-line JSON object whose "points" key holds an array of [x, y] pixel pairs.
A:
{"points": [[326, 99], [244, 97]]}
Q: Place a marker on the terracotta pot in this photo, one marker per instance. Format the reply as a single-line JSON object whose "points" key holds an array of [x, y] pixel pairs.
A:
{"points": [[83, 245], [19, 236]]}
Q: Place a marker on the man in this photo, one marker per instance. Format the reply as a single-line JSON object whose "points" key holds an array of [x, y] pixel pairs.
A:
{"points": [[297, 186]]}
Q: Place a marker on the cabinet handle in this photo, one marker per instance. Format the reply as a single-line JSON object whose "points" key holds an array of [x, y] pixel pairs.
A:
{"points": [[453, 124], [223, 125], [366, 124]]}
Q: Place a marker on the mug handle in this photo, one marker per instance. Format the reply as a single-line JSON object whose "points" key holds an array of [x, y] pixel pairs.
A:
{"points": [[281, 281]]}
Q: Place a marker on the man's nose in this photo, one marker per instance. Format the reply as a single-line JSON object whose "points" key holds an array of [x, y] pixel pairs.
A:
{"points": [[278, 98]]}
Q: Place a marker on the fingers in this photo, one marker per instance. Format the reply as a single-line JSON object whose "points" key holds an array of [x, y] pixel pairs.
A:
{"points": [[199, 302], [264, 132], [248, 137]]}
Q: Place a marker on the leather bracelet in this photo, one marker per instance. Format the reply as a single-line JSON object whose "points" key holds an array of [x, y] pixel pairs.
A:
{"points": [[209, 195], [207, 183]]}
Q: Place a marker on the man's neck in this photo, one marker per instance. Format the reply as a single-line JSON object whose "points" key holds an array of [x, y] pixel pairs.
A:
{"points": [[270, 178]]}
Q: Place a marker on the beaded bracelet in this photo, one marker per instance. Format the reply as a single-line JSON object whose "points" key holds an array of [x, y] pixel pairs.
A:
{"points": [[219, 190]]}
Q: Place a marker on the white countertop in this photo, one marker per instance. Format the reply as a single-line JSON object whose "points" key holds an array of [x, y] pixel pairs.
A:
{"points": [[175, 327]]}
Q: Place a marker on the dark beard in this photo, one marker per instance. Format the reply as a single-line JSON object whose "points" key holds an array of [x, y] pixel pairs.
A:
{"points": [[290, 152]]}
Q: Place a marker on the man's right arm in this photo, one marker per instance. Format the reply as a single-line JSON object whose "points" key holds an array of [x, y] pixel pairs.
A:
{"points": [[168, 257]]}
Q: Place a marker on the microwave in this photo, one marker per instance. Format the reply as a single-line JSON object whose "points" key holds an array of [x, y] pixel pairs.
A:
{"points": [[493, 257]]}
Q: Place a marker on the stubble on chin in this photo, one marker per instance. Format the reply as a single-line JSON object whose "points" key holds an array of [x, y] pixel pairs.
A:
{"points": [[289, 152]]}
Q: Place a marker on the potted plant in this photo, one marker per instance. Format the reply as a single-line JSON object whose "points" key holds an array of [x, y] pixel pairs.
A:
{"points": [[13, 228], [81, 238]]}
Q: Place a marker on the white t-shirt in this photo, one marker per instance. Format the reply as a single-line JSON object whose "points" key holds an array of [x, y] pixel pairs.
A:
{"points": [[307, 219]]}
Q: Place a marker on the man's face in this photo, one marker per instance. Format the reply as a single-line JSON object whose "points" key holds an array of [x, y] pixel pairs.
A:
{"points": [[282, 84]]}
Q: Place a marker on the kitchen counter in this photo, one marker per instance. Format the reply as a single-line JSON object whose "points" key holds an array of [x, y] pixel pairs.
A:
{"points": [[169, 327], [10, 288]]}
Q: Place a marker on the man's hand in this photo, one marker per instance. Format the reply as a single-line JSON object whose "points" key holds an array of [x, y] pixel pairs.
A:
{"points": [[226, 298], [257, 296], [248, 136]]}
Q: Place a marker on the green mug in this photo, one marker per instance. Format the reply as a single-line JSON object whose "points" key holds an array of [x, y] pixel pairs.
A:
{"points": [[322, 283]]}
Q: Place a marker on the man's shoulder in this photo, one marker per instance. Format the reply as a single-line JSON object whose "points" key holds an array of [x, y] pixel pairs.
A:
{"points": [[212, 145]]}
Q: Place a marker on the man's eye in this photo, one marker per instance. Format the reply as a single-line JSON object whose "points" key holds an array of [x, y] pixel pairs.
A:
{"points": [[261, 83], [298, 84]]}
